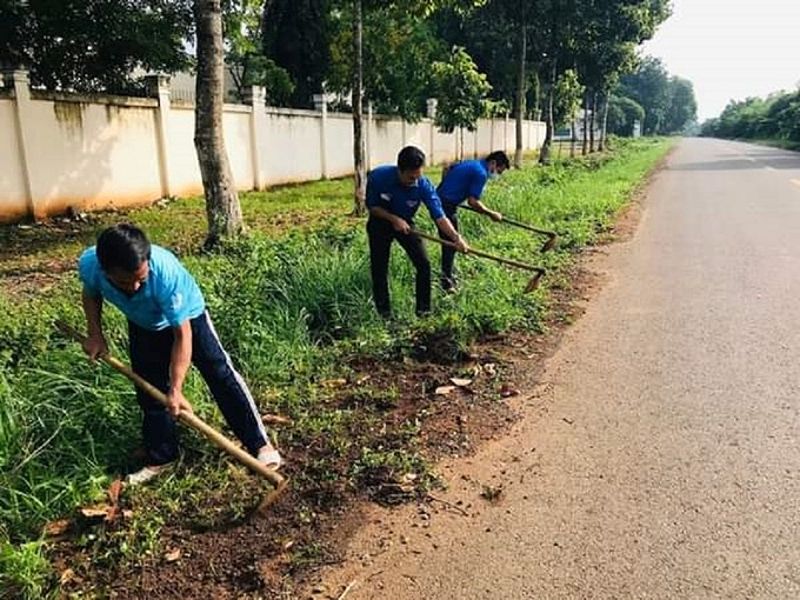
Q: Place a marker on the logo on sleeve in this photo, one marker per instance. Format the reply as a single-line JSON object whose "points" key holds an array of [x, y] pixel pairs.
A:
{"points": [[386, 198], [177, 301]]}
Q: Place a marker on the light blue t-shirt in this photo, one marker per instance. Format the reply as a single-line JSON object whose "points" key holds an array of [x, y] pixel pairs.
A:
{"points": [[385, 190], [167, 298], [464, 180]]}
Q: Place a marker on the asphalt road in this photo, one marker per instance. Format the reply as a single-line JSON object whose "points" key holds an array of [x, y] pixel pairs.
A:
{"points": [[661, 456]]}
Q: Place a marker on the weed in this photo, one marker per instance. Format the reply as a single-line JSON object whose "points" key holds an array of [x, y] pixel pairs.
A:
{"points": [[292, 303]]}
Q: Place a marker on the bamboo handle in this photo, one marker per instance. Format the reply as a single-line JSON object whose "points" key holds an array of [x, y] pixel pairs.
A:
{"points": [[547, 232], [188, 418], [476, 252]]}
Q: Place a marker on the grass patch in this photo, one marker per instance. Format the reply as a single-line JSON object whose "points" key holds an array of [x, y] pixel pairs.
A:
{"points": [[293, 306]]}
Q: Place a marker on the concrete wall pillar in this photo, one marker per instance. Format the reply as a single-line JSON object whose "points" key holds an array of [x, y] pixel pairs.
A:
{"points": [[158, 87], [17, 80], [321, 106], [370, 123], [505, 133], [256, 97], [432, 105]]}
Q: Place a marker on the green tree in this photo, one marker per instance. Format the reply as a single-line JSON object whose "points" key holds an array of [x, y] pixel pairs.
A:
{"points": [[461, 90], [297, 37], [682, 108], [244, 55], [399, 48], [567, 101], [649, 87], [95, 45], [623, 113]]}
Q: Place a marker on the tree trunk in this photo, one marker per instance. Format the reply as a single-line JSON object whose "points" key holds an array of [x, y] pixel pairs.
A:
{"points": [[544, 154], [593, 122], [523, 50], [359, 146], [604, 132], [573, 136], [585, 147], [222, 201]]}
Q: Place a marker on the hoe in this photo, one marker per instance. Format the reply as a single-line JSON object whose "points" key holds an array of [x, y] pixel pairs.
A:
{"points": [[190, 419], [552, 236], [532, 284]]}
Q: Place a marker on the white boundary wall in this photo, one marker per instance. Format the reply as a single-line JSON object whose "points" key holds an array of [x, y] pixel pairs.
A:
{"points": [[97, 152]]}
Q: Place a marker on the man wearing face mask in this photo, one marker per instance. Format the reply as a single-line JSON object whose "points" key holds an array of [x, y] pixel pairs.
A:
{"points": [[169, 328], [394, 193], [466, 181]]}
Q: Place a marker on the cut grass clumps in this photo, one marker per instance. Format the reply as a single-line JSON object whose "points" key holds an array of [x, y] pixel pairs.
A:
{"points": [[294, 309]]}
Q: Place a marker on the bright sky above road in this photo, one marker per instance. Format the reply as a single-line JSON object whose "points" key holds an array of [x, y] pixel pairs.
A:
{"points": [[731, 49]]}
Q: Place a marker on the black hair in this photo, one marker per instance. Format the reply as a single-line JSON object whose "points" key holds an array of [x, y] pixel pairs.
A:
{"points": [[123, 247], [410, 158], [500, 158]]}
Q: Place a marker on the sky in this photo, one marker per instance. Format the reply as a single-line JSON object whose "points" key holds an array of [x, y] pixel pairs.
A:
{"points": [[731, 49]]}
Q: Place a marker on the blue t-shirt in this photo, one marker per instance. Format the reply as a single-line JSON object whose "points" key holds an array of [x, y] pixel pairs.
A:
{"points": [[167, 298], [464, 180], [385, 190]]}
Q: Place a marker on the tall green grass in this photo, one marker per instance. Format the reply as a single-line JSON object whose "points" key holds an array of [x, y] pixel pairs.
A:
{"points": [[292, 310]]}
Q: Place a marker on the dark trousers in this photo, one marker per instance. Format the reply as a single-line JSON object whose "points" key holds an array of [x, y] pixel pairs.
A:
{"points": [[448, 279], [150, 358], [381, 234]]}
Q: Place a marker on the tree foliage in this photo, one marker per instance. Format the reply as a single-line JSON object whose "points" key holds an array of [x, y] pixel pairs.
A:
{"points": [[94, 45], [399, 51], [623, 113], [461, 90], [775, 117], [568, 94], [244, 55], [297, 37], [669, 102], [682, 107]]}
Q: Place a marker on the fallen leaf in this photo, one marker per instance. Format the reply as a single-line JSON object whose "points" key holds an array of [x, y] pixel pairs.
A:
{"points": [[490, 369], [127, 513], [457, 381], [444, 390], [288, 545], [334, 383], [66, 576], [56, 528], [506, 391], [114, 491], [98, 511], [276, 420], [173, 555]]}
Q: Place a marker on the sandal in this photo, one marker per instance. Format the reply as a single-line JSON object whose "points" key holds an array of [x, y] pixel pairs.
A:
{"points": [[270, 457], [144, 474]]}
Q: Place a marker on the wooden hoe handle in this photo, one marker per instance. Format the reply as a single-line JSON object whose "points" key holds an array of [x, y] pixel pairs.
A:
{"points": [[552, 236], [187, 418], [532, 284]]}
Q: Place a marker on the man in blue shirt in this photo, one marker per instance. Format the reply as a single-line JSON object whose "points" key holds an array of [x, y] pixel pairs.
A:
{"points": [[466, 181], [394, 193], [169, 329]]}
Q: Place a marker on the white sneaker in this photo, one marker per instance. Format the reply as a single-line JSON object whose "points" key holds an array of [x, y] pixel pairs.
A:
{"points": [[270, 457], [144, 475]]}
